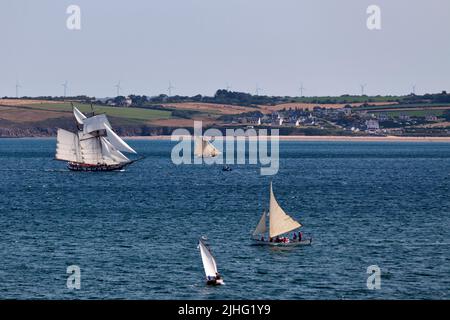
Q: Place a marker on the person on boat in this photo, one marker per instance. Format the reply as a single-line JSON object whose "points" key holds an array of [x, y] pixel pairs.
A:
{"points": [[295, 236], [218, 276], [270, 239], [277, 239], [262, 238], [299, 236]]}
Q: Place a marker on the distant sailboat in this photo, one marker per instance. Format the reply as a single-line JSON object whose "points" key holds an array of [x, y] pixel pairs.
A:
{"points": [[279, 224], [209, 264], [205, 149], [94, 147]]}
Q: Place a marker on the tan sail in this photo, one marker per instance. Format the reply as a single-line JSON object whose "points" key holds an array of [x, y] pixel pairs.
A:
{"points": [[205, 149], [279, 221], [261, 227]]}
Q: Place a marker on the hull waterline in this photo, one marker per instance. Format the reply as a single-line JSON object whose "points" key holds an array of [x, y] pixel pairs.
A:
{"points": [[305, 242]]}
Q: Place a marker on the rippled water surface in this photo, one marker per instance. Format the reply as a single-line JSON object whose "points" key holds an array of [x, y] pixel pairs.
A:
{"points": [[134, 233]]}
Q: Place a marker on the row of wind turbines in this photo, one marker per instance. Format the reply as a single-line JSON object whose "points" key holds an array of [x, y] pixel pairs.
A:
{"points": [[170, 88]]}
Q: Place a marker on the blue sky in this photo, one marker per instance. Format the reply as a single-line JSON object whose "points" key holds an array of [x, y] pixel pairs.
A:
{"points": [[201, 45]]}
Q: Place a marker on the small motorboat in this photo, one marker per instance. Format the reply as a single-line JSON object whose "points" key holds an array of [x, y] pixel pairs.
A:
{"points": [[213, 277]]}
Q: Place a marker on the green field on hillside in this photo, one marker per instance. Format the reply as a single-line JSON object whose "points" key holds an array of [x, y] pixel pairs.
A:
{"points": [[119, 112]]}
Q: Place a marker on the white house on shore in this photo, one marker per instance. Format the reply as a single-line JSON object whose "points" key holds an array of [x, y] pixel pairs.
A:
{"points": [[373, 126]]}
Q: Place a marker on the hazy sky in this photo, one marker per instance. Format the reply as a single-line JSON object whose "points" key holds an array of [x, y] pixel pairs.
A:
{"points": [[201, 45]]}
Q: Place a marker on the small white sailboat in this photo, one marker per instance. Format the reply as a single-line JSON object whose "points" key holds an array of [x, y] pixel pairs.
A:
{"points": [[279, 223], [209, 264], [205, 149]]}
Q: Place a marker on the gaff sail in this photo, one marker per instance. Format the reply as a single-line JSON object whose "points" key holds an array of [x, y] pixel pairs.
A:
{"points": [[67, 146], [209, 263]]}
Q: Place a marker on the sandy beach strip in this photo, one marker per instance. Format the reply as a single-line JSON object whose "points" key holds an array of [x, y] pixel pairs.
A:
{"points": [[323, 138]]}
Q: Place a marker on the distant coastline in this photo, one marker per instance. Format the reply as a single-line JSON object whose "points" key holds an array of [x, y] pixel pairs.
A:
{"points": [[290, 138], [327, 138]]}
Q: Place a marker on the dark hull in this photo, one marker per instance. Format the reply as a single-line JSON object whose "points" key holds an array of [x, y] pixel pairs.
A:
{"points": [[74, 166], [291, 243]]}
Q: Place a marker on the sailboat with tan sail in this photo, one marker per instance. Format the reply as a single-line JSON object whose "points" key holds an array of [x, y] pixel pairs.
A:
{"points": [[280, 223]]}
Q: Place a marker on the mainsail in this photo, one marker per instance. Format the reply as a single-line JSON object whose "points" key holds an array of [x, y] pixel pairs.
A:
{"points": [[67, 146], [205, 149], [261, 227], [209, 264], [279, 221]]}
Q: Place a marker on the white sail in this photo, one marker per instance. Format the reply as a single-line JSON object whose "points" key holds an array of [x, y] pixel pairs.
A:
{"points": [[261, 227], [95, 123], [111, 154], [78, 115], [67, 146], [209, 264], [259, 121], [279, 221], [91, 149], [117, 141]]}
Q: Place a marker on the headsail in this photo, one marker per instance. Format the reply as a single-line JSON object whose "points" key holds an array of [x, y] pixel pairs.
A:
{"points": [[209, 264], [67, 146], [109, 152], [261, 227], [117, 141], [279, 221]]}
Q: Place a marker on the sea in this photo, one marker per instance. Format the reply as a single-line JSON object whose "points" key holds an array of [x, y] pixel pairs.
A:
{"points": [[378, 214]]}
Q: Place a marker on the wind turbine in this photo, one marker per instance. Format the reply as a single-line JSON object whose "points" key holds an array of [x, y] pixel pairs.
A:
{"points": [[118, 88], [169, 89], [17, 88], [301, 89], [65, 85], [257, 90], [363, 86], [414, 89]]}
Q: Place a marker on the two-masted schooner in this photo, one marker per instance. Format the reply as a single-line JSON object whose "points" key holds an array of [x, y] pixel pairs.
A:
{"points": [[94, 147], [204, 148], [280, 223], [209, 264]]}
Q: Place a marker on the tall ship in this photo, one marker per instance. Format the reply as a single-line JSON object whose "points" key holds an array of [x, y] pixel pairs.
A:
{"points": [[94, 147]]}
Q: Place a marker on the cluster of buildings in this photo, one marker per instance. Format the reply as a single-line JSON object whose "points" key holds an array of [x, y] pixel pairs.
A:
{"points": [[346, 118]]}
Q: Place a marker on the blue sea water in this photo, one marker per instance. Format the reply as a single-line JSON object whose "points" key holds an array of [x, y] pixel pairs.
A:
{"points": [[134, 233]]}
